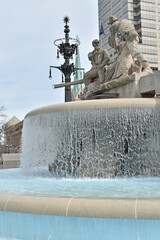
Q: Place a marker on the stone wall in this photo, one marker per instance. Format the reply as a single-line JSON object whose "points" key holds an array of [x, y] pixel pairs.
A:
{"points": [[11, 160]]}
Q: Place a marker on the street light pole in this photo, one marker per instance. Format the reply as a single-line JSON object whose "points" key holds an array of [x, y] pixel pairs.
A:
{"points": [[67, 50]]}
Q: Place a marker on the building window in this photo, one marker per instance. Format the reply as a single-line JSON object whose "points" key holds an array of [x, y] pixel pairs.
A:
{"points": [[153, 60], [137, 18], [148, 8], [149, 1], [136, 1], [154, 69], [104, 5], [136, 10], [116, 10], [149, 42], [149, 51], [148, 16], [130, 8], [149, 34], [148, 25], [137, 26], [107, 9], [130, 17], [124, 11], [115, 2]]}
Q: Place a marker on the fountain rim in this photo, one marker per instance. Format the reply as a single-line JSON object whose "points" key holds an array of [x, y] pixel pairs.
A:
{"points": [[97, 104], [88, 207]]}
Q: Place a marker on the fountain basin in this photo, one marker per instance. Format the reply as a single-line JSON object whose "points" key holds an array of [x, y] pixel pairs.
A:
{"points": [[91, 139], [31, 208], [43, 194], [32, 226], [23, 217], [96, 138]]}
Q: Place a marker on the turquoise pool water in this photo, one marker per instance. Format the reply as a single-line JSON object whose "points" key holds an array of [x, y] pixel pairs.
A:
{"points": [[19, 226], [16, 226], [13, 181]]}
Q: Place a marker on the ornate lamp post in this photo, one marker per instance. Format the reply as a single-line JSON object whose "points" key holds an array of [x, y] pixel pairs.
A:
{"points": [[67, 50]]}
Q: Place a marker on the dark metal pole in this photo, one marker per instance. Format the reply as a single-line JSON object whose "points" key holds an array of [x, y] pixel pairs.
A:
{"points": [[67, 50], [67, 73], [67, 89]]}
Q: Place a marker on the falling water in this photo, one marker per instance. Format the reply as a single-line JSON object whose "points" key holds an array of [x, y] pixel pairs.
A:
{"points": [[94, 143]]}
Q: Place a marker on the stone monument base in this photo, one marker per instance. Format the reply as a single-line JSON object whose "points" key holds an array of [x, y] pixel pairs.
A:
{"points": [[132, 86]]}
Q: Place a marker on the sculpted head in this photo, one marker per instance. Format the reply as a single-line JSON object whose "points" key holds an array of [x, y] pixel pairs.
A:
{"points": [[112, 19], [95, 43]]}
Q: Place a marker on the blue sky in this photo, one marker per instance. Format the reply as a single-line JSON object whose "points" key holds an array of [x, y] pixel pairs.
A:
{"points": [[28, 29]]}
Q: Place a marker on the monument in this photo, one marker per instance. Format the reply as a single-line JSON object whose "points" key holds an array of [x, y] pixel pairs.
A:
{"points": [[95, 139], [129, 76]]}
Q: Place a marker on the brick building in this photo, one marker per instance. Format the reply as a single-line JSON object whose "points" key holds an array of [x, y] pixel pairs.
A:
{"points": [[12, 135]]}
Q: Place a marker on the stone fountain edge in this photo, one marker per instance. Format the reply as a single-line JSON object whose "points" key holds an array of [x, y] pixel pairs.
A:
{"points": [[117, 208], [97, 104]]}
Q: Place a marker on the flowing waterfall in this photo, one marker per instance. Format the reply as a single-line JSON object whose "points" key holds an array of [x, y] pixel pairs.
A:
{"points": [[105, 142]]}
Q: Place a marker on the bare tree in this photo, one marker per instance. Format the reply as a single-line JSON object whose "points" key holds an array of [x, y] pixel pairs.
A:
{"points": [[3, 119], [3, 116]]}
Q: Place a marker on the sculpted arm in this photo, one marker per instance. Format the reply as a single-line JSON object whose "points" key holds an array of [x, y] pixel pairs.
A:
{"points": [[106, 58], [91, 57], [111, 40], [112, 43], [112, 32]]}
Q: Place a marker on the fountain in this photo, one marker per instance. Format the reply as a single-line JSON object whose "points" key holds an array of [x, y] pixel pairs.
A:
{"points": [[92, 164], [98, 138]]}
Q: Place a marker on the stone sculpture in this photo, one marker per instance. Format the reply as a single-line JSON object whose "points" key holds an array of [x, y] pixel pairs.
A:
{"points": [[124, 65], [99, 59], [104, 75], [125, 29]]}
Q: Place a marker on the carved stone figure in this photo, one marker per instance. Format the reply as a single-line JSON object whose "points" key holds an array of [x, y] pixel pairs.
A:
{"points": [[125, 29], [99, 59], [123, 65], [128, 68], [96, 75]]}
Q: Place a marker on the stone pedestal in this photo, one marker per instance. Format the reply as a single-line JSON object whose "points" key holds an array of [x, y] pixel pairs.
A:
{"points": [[132, 86], [129, 90], [150, 84]]}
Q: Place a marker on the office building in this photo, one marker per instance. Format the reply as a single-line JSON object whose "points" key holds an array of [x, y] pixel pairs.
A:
{"points": [[144, 15]]}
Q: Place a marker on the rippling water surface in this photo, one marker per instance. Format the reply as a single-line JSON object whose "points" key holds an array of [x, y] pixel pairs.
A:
{"points": [[13, 181]]}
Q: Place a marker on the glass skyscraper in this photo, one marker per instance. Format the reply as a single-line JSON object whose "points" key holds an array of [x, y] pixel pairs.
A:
{"points": [[144, 15]]}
